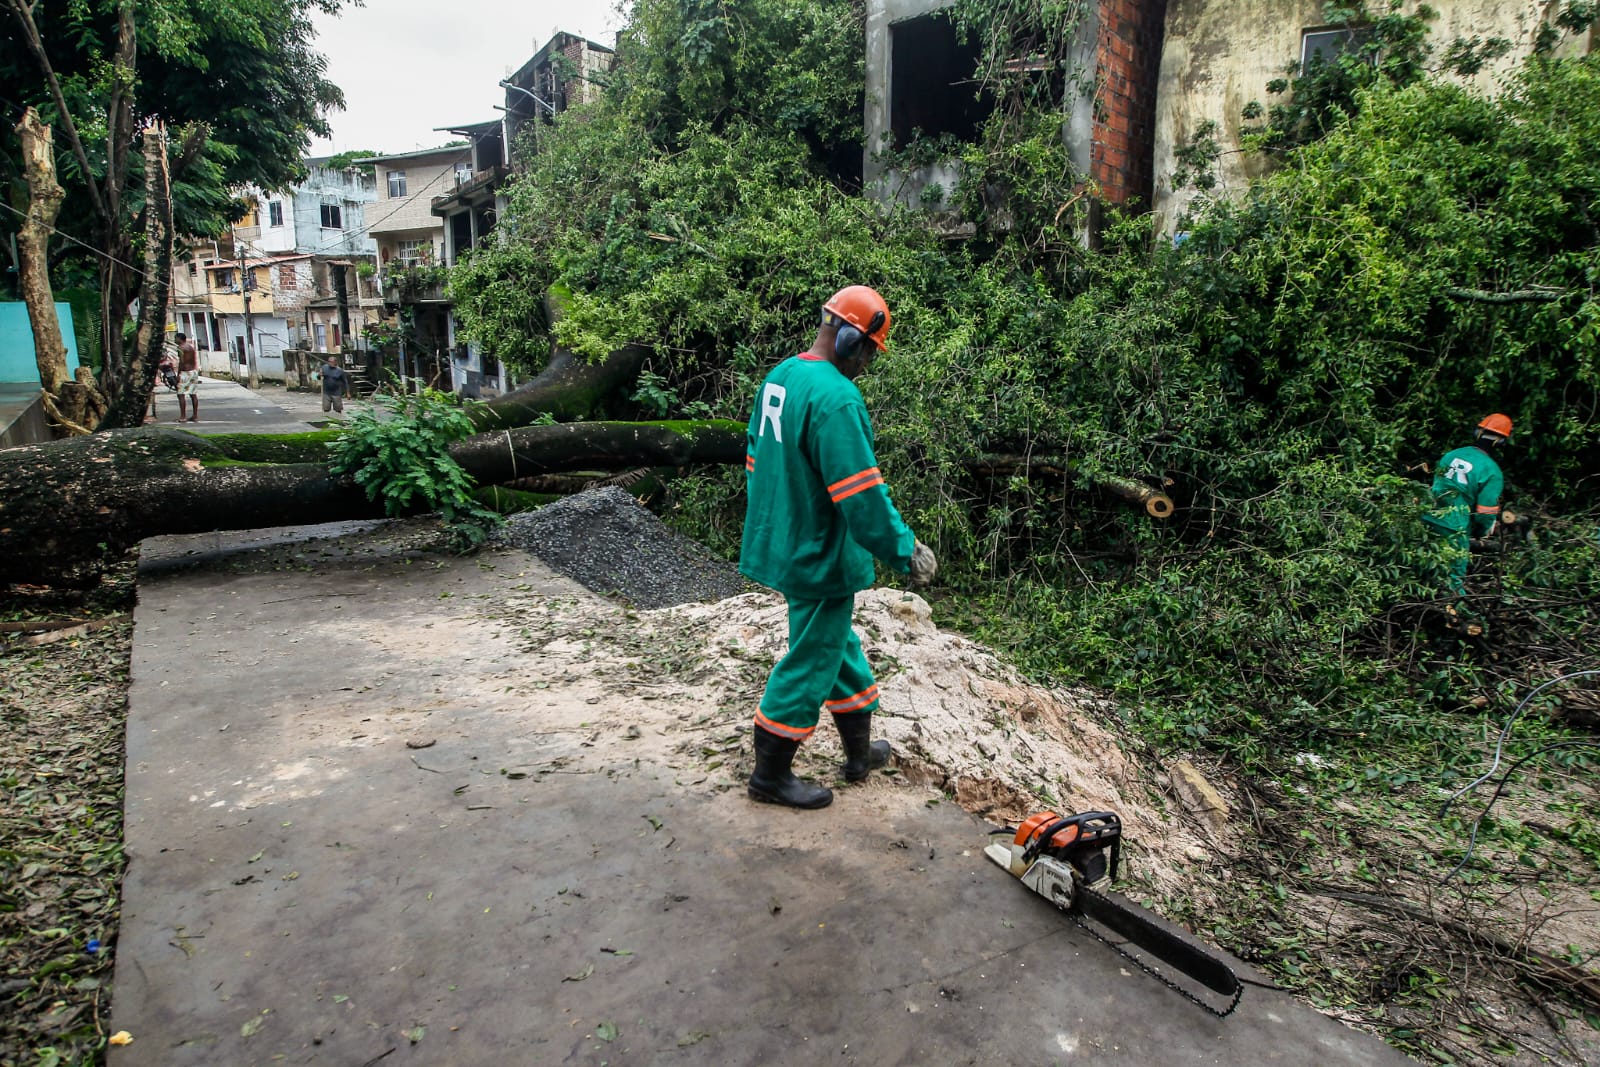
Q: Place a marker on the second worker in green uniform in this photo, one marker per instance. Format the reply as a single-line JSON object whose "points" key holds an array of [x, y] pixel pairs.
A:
{"points": [[1467, 484], [818, 513]]}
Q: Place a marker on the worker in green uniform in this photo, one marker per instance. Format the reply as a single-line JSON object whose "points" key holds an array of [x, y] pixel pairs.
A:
{"points": [[818, 513], [1467, 484]]}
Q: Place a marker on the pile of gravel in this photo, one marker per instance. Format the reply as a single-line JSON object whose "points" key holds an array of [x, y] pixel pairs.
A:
{"points": [[605, 540]]}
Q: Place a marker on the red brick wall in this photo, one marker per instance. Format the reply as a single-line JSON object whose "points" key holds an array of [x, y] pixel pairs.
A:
{"points": [[1128, 57]]}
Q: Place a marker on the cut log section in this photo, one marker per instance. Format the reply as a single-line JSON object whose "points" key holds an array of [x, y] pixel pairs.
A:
{"points": [[1156, 504]]}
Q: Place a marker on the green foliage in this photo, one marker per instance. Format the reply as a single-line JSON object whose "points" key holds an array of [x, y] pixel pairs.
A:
{"points": [[414, 280], [240, 83], [1280, 372], [789, 67], [402, 457], [345, 160]]}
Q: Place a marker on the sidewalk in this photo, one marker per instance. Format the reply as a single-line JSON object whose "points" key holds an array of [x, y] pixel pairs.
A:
{"points": [[364, 818]]}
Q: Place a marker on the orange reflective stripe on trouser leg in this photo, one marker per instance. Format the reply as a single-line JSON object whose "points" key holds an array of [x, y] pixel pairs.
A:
{"points": [[854, 689], [819, 637]]}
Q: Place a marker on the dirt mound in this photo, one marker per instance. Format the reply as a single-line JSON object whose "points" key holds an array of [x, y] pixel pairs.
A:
{"points": [[964, 722], [606, 541], [689, 678]]}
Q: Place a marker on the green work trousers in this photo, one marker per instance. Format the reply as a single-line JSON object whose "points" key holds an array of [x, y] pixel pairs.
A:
{"points": [[1458, 553], [825, 667]]}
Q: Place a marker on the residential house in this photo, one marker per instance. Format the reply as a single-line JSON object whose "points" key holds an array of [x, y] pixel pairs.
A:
{"points": [[302, 248], [232, 286], [1218, 55], [190, 300], [411, 250], [562, 74]]}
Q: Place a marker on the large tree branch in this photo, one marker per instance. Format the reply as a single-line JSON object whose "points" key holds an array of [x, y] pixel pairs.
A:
{"points": [[1538, 294]]}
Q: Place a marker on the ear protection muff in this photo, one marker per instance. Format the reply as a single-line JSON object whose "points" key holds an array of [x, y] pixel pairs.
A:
{"points": [[848, 341]]}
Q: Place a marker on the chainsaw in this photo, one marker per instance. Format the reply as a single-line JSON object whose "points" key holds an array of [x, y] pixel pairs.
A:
{"points": [[1066, 858]]}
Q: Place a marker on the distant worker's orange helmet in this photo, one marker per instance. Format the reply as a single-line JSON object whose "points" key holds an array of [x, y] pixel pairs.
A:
{"points": [[1497, 424], [861, 307]]}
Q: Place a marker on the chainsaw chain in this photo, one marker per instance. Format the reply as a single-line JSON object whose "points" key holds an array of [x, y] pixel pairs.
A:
{"points": [[1221, 1013]]}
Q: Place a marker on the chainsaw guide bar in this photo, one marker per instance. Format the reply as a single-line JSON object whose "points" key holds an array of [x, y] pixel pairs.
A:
{"points": [[1064, 858]]}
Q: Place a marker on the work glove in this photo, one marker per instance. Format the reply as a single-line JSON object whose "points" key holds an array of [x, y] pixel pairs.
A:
{"points": [[923, 565]]}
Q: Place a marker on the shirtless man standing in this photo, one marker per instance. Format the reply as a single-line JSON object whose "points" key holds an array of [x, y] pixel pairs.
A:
{"points": [[188, 378]]}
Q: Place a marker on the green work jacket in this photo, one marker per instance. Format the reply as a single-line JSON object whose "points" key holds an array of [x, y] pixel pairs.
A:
{"points": [[818, 507], [1466, 492]]}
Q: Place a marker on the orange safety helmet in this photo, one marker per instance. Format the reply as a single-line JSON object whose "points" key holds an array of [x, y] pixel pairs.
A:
{"points": [[1497, 424], [861, 307]]}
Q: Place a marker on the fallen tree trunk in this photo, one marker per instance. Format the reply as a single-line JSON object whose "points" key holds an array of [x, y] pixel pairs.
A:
{"points": [[568, 388], [67, 507], [1156, 504]]}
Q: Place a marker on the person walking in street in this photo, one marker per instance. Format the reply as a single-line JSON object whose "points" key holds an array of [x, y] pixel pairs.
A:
{"points": [[335, 385], [1467, 484], [188, 379], [818, 512]]}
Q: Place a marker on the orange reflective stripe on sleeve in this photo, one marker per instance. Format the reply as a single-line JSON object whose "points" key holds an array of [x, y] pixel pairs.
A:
{"points": [[749, 462], [1495, 510], [793, 733], [853, 703], [848, 487]]}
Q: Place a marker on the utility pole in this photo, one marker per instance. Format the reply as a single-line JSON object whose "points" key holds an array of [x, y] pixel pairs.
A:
{"points": [[252, 379]]}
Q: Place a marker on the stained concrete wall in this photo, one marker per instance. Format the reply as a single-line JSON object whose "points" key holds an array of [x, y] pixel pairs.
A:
{"points": [[1218, 55]]}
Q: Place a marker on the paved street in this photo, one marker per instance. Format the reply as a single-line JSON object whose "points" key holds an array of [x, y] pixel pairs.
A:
{"points": [[228, 407]]}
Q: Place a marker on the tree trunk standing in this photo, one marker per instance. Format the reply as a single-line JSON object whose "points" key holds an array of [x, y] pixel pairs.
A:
{"points": [[33, 247], [116, 267], [69, 507], [74, 404], [130, 404]]}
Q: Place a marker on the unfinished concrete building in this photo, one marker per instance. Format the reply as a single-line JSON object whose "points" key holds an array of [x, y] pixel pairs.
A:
{"points": [[920, 80]]}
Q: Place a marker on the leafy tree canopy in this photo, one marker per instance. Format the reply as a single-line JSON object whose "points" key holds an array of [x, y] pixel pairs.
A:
{"points": [[240, 84]]}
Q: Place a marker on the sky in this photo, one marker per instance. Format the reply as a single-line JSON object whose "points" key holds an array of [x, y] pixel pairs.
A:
{"points": [[408, 66]]}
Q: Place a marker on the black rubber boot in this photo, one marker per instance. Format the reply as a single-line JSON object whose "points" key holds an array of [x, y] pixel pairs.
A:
{"points": [[774, 782], [862, 755]]}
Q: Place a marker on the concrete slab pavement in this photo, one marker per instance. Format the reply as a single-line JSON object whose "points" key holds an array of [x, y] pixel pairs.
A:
{"points": [[363, 827], [228, 407]]}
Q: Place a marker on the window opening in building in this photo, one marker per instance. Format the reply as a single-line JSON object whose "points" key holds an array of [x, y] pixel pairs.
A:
{"points": [[332, 217], [397, 183], [413, 251], [225, 279], [286, 276], [275, 213], [932, 88], [321, 331], [194, 268], [463, 173], [1324, 46], [461, 232]]}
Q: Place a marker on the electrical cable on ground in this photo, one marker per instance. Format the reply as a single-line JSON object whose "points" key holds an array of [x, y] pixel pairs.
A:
{"points": [[1498, 751]]}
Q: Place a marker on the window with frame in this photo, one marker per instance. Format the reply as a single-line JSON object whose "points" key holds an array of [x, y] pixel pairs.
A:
{"points": [[275, 213], [332, 217], [1324, 46], [463, 173], [287, 278], [194, 268], [413, 251], [225, 278], [397, 183]]}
